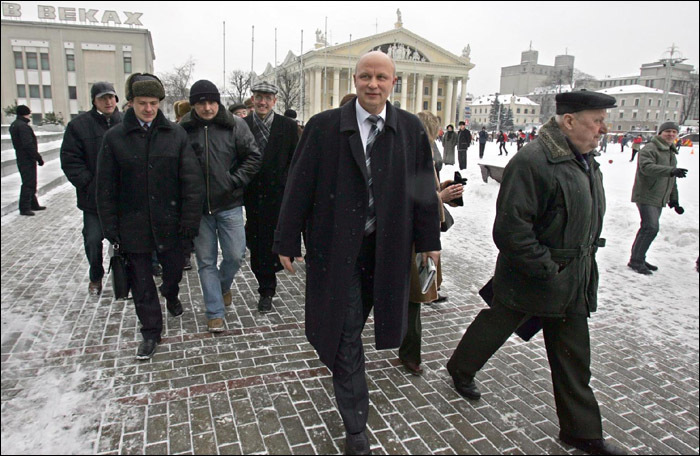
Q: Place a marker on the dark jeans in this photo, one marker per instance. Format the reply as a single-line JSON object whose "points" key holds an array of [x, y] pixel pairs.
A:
{"points": [[92, 239], [502, 147], [569, 354], [349, 382], [647, 232], [140, 272], [482, 146], [267, 283], [634, 152], [462, 157], [410, 347], [27, 192]]}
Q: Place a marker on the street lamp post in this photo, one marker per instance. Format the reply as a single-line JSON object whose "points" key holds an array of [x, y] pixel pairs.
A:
{"points": [[668, 63]]}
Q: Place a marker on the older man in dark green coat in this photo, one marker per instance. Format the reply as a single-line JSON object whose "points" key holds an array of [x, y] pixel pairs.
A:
{"points": [[549, 218]]}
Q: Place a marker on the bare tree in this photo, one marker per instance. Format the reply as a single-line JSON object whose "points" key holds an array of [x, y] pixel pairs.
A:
{"points": [[690, 100], [289, 89], [239, 86], [177, 82]]}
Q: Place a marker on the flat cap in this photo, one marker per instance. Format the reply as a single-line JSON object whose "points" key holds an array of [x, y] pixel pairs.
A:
{"points": [[583, 100], [235, 107], [265, 87]]}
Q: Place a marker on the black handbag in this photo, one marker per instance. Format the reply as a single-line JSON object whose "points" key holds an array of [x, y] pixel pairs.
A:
{"points": [[120, 279], [449, 221]]}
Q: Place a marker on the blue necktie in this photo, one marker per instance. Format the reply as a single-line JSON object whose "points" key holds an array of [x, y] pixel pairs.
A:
{"points": [[371, 222]]}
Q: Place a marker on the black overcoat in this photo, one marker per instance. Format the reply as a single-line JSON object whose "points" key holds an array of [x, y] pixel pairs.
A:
{"points": [[263, 196], [327, 196], [149, 185]]}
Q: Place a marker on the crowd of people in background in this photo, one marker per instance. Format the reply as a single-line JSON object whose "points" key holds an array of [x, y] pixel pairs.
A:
{"points": [[248, 178]]}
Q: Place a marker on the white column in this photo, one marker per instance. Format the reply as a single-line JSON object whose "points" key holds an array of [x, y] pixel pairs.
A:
{"points": [[455, 100], [419, 99], [461, 99], [317, 90], [336, 87], [433, 95], [404, 90], [449, 111]]}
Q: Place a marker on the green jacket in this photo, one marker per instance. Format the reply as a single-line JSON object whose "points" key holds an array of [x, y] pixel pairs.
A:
{"points": [[653, 184], [549, 217]]}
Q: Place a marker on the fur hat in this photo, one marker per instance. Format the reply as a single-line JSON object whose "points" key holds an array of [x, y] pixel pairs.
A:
{"points": [[669, 126], [144, 85], [181, 107], [204, 90], [23, 110]]}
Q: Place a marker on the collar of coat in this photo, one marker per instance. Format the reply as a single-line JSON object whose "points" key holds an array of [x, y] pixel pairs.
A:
{"points": [[663, 145], [192, 121], [348, 117], [131, 122], [115, 118], [555, 142]]}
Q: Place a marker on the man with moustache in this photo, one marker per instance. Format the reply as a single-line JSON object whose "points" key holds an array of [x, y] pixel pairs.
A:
{"points": [[362, 188]]}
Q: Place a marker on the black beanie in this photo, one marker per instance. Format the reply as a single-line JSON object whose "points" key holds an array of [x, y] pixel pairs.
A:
{"points": [[292, 114], [23, 110], [204, 90]]}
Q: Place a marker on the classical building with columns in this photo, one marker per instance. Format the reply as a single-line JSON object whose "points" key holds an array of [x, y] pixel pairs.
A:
{"points": [[429, 77]]}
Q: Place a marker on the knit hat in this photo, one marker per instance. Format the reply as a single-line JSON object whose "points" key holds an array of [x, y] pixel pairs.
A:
{"points": [[144, 85], [292, 114], [204, 90], [23, 110], [235, 107], [100, 89], [669, 126], [181, 107]]}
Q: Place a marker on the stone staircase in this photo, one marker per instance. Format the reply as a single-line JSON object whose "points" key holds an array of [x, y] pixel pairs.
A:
{"points": [[49, 176]]}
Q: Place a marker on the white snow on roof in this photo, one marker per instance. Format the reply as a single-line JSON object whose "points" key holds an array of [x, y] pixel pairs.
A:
{"points": [[634, 88], [487, 100]]}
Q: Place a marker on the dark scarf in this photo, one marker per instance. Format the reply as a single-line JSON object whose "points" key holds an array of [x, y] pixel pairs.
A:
{"points": [[261, 129]]}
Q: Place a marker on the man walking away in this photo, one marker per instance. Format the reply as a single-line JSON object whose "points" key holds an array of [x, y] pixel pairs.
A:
{"points": [[27, 154], [483, 138], [81, 145], [464, 140]]}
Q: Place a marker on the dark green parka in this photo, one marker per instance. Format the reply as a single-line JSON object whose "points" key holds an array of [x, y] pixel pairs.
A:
{"points": [[548, 222], [653, 183]]}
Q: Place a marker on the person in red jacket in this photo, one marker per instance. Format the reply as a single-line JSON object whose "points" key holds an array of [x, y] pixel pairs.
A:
{"points": [[636, 145]]}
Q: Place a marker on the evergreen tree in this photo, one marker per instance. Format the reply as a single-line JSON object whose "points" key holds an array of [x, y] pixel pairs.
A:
{"points": [[506, 119], [493, 114]]}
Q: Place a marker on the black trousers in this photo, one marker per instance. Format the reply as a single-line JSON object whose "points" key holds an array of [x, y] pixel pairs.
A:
{"points": [[569, 354], [27, 192], [349, 381], [267, 283], [462, 157], [140, 272], [92, 239], [410, 347], [482, 146], [502, 148]]}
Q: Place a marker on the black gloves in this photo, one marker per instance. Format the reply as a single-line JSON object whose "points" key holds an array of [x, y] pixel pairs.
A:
{"points": [[187, 233], [41, 162], [676, 207], [679, 172]]}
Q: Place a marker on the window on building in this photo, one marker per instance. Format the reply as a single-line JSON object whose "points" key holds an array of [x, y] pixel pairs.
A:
{"points": [[676, 104], [37, 118], [127, 64], [622, 103], [619, 127], [46, 90], [518, 111], [45, 61], [32, 63], [426, 90], [668, 103], [72, 93], [622, 114], [636, 101], [425, 106], [70, 62], [19, 64], [657, 116], [34, 91], [634, 115], [525, 111], [439, 91], [648, 114], [658, 103], [439, 106], [21, 91], [397, 87], [650, 101]]}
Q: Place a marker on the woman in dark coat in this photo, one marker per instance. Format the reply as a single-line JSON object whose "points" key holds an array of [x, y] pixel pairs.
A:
{"points": [[449, 142]]}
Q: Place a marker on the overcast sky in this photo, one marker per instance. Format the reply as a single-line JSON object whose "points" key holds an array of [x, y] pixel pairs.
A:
{"points": [[606, 38]]}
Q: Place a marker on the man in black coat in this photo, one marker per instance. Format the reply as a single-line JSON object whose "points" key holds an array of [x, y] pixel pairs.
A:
{"points": [[549, 217], [362, 188], [277, 138], [464, 140], [149, 197], [81, 144], [27, 154]]}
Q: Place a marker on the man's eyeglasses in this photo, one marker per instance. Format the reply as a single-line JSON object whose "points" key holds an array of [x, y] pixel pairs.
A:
{"points": [[267, 98]]}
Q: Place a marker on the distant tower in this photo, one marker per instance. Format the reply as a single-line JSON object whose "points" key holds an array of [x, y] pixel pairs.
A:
{"points": [[529, 56]]}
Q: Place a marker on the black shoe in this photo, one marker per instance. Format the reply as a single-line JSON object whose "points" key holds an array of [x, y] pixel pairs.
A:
{"points": [[591, 446], [357, 443], [188, 264], [39, 208], [465, 387], [441, 298], [157, 270], [27, 213], [265, 304], [639, 267], [413, 368], [147, 349], [174, 307], [651, 267]]}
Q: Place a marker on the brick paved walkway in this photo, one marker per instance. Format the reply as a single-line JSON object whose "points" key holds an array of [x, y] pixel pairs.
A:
{"points": [[259, 387]]}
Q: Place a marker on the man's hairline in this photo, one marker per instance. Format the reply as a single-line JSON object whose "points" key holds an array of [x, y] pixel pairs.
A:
{"points": [[393, 64]]}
